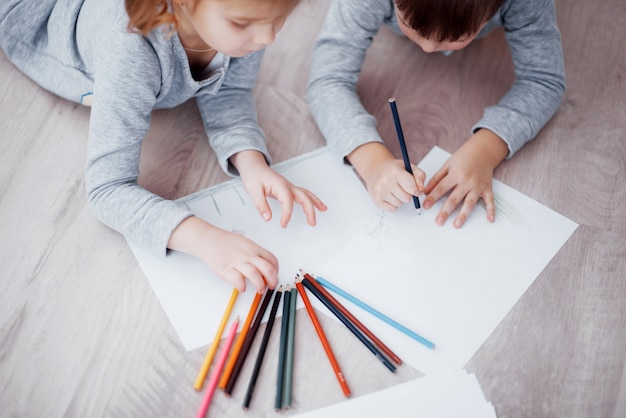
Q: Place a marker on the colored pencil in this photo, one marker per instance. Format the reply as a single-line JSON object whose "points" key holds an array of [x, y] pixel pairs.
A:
{"points": [[405, 153], [248, 342], [212, 385], [262, 348], [216, 342], [349, 325], [376, 313], [240, 339], [280, 378], [354, 320], [288, 385], [323, 339]]}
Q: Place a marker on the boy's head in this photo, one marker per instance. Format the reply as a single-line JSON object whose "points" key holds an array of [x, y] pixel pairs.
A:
{"points": [[437, 25]]}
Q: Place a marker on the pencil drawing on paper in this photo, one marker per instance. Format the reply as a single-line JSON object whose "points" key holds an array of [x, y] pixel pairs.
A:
{"points": [[376, 229], [506, 211]]}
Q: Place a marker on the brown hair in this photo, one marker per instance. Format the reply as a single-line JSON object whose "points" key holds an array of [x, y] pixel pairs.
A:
{"points": [[145, 15], [447, 20]]}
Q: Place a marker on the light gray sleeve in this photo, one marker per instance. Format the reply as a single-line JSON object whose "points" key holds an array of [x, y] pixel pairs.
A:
{"points": [[535, 42], [338, 55], [230, 118], [120, 117]]}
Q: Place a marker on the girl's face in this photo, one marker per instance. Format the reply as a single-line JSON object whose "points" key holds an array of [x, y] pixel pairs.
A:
{"points": [[430, 45], [233, 27]]}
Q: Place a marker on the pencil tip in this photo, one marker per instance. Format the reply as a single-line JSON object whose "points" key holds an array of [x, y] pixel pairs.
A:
{"points": [[419, 211]]}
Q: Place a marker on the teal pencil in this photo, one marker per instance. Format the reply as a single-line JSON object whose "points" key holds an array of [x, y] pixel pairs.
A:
{"points": [[291, 328], [374, 312], [280, 378]]}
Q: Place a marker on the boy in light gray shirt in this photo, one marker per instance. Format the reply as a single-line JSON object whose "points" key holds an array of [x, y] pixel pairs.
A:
{"points": [[436, 25]]}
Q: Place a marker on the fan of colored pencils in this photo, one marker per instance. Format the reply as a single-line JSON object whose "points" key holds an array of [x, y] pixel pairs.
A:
{"points": [[228, 368]]}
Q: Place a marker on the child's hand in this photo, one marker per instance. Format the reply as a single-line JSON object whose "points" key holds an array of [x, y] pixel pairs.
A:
{"points": [[387, 181], [261, 182], [390, 185], [467, 176], [231, 256]]}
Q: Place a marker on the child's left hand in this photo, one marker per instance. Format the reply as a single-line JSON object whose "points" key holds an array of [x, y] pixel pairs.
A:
{"points": [[467, 176], [261, 182]]}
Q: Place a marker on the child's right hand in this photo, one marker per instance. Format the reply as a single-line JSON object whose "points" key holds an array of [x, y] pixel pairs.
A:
{"points": [[387, 181], [231, 256]]}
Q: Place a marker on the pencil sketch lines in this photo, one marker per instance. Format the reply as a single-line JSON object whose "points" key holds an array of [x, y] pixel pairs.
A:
{"points": [[506, 211], [243, 202], [376, 229], [217, 207]]}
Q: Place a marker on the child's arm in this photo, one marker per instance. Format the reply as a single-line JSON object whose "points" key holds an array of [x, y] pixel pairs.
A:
{"points": [[260, 181], [531, 31], [467, 176], [231, 256], [348, 128], [230, 121], [387, 181]]}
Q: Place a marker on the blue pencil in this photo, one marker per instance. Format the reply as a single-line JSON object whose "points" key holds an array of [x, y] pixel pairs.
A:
{"points": [[374, 312], [405, 153]]}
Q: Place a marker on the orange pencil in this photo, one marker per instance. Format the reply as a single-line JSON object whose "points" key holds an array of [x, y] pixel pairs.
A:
{"points": [[322, 337], [353, 319], [242, 336]]}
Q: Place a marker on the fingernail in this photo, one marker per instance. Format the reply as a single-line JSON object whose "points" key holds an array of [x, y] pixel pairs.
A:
{"points": [[266, 216]]}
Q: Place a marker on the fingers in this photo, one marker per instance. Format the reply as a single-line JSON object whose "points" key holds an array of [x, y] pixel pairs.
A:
{"points": [[260, 272], [420, 178], [260, 202], [435, 188], [467, 200], [309, 203], [286, 204], [490, 205], [396, 186]]}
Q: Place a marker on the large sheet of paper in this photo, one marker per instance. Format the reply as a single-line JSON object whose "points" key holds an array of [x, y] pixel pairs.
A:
{"points": [[448, 394], [452, 286]]}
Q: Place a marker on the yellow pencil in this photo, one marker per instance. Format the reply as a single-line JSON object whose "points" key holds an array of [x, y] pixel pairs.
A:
{"points": [[216, 342], [242, 335]]}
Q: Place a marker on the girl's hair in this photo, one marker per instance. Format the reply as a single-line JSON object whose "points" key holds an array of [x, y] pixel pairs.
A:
{"points": [[145, 15], [447, 20]]}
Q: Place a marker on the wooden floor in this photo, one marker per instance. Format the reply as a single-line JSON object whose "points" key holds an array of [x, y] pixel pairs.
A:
{"points": [[83, 335]]}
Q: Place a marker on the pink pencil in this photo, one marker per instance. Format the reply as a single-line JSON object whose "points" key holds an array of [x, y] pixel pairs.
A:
{"points": [[218, 370]]}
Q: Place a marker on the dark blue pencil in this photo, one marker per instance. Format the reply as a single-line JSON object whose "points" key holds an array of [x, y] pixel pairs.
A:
{"points": [[405, 153]]}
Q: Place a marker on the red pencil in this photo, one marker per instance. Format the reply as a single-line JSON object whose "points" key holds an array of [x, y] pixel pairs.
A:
{"points": [[322, 337]]}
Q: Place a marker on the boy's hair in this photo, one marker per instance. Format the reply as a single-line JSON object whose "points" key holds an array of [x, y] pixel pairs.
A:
{"points": [[447, 20], [145, 15]]}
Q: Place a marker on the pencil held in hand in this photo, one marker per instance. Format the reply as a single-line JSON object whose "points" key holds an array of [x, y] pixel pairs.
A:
{"points": [[405, 153]]}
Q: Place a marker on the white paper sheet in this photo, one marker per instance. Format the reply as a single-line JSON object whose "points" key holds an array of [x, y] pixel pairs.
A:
{"points": [[453, 286], [449, 394]]}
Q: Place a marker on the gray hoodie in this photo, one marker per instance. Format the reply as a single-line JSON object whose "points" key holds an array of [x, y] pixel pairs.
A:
{"points": [[350, 26], [81, 50]]}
